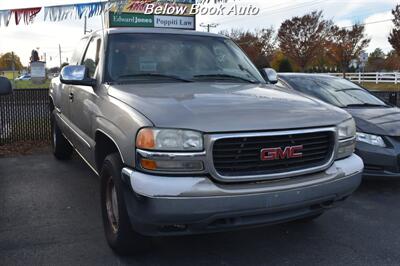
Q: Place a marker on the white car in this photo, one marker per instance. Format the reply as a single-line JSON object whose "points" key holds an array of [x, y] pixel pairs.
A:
{"points": [[24, 77]]}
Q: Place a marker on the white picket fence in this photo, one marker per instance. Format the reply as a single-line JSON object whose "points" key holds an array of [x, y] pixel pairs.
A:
{"points": [[373, 77]]}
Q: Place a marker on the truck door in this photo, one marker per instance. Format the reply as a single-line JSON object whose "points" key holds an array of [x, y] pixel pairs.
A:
{"points": [[83, 107], [64, 97]]}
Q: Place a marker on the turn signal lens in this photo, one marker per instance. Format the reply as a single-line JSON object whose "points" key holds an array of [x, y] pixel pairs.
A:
{"points": [[148, 164], [145, 139]]}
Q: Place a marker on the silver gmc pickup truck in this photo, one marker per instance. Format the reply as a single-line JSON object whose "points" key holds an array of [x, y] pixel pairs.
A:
{"points": [[188, 137]]}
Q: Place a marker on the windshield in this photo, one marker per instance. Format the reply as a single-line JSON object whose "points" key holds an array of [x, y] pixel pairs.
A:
{"points": [[177, 58], [336, 91]]}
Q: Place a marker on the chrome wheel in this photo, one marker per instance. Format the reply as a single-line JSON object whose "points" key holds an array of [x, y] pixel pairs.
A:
{"points": [[112, 205]]}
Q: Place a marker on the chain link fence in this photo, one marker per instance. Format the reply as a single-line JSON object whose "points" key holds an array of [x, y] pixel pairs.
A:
{"points": [[24, 116], [390, 97]]}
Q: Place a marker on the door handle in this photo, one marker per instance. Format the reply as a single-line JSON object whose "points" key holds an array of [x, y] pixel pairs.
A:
{"points": [[71, 97]]}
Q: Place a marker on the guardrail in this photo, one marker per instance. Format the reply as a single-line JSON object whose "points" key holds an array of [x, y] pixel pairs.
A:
{"points": [[372, 77]]}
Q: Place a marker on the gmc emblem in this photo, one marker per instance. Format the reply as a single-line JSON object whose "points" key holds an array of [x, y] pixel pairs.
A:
{"points": [[271, 154]]}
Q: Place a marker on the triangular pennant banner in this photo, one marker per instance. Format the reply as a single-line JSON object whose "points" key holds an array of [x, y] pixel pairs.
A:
{"points": [[28, 14], [58, 13], [89, 10], [5, 16]]}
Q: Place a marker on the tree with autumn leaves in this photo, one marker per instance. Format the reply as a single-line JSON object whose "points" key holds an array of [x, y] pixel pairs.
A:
{"points": [[301, 38], [10, 60], [394, 37], [258, 45], [345, 45], [308, 39], [304, 42]]}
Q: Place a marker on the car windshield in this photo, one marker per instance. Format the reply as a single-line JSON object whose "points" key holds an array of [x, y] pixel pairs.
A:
{"points": [[177, 58], [336, 91]]}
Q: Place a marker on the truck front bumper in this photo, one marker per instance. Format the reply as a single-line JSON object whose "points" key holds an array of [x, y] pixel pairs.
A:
{"points": [[159, 205]]}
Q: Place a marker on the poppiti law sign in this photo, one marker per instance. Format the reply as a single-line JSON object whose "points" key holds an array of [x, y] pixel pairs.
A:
{"points": [[153, 13]]}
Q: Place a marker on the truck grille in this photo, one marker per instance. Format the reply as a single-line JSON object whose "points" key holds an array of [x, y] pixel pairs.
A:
{"points": [[241, 156]]}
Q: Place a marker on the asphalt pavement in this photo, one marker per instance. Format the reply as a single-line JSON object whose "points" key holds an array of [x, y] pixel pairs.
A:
{"points": [[50, 215]]}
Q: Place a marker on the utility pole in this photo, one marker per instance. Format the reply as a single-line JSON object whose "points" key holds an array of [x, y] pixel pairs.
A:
{"points": [[84, 26], [85, 30], [59, 53], [13, 65], [209, 26]]}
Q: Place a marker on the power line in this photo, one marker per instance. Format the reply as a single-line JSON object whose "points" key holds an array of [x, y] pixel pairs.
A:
{"points": [[266, 11], [369, 23]]}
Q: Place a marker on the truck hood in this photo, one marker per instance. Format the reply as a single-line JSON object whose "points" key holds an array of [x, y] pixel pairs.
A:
{"points": [[378, 121], [226, 107]]}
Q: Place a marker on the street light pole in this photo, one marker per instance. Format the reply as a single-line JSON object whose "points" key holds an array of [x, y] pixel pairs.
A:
{"points": [[59, 53], [209, 26], [13, 65]]}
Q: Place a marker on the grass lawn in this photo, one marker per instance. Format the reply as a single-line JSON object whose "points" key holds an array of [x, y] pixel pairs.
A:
{"points": [[381, 86], [28, 84]]}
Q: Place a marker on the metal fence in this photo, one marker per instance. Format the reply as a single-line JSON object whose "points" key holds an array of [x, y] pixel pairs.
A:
{"points": [[24, 115], [371, 77]]}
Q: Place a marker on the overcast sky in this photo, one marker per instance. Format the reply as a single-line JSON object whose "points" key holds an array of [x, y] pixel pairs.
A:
{"points": [[48, 35]]}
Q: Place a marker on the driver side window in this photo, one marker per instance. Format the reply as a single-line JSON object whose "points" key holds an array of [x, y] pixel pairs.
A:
{"points": [[91, 59]]}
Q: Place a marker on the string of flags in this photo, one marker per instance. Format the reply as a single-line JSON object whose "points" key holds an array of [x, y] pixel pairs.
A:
{"points": [[59, 12]]}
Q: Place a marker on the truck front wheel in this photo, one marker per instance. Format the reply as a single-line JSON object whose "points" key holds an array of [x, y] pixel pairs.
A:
{"points": [[119, 233], [62, 149]]}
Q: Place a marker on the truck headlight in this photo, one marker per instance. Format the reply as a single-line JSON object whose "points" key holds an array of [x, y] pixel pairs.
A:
{"points": [[169, 140], [170, 150], [347, 142], [371, 139]]}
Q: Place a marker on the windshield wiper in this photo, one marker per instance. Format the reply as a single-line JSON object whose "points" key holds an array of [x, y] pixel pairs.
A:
{"points": [[225, 76], [365, 104], [156, 75]]}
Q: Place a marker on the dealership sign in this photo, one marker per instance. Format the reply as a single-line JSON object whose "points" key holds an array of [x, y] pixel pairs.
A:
{"points": [[165, 14]]}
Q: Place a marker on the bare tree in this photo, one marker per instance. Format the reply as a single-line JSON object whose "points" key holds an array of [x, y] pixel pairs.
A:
{"points": [[394, 37], [258, 45], [347, 44], [301, 38]]}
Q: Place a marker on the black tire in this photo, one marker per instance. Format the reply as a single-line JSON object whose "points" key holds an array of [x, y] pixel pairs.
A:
{"points": [[117, 227], [62, 149]]}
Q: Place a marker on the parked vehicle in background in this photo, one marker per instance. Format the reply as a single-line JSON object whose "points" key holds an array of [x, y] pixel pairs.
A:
{"points": [[5, 86], [24, 77], [188, 138], [378, 123]]}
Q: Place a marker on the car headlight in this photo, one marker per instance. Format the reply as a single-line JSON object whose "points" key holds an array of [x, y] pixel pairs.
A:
{"points": [[347, 129], [371, 139], [169, 140], [347, 143], [170, 150]]}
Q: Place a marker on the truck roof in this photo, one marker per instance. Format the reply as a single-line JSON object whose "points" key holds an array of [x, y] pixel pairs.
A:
{"points": [[156, 30]]}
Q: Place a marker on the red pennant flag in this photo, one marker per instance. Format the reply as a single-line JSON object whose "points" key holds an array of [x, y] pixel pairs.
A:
{"points": [[27, 13]]}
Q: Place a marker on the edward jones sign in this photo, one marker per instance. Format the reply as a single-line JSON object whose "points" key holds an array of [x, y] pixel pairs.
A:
{"points": [[133, 15]]}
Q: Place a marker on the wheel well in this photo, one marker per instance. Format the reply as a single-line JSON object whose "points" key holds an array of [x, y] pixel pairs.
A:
{"points": [[104, 147], [51, 104]]}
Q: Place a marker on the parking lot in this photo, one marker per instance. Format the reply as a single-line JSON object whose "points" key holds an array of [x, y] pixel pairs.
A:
{"points": [[50, 214]]}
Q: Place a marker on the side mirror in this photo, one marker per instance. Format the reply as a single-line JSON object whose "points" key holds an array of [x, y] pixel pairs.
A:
{"points": [[76, 75], [270, 75], [5, 86]]}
